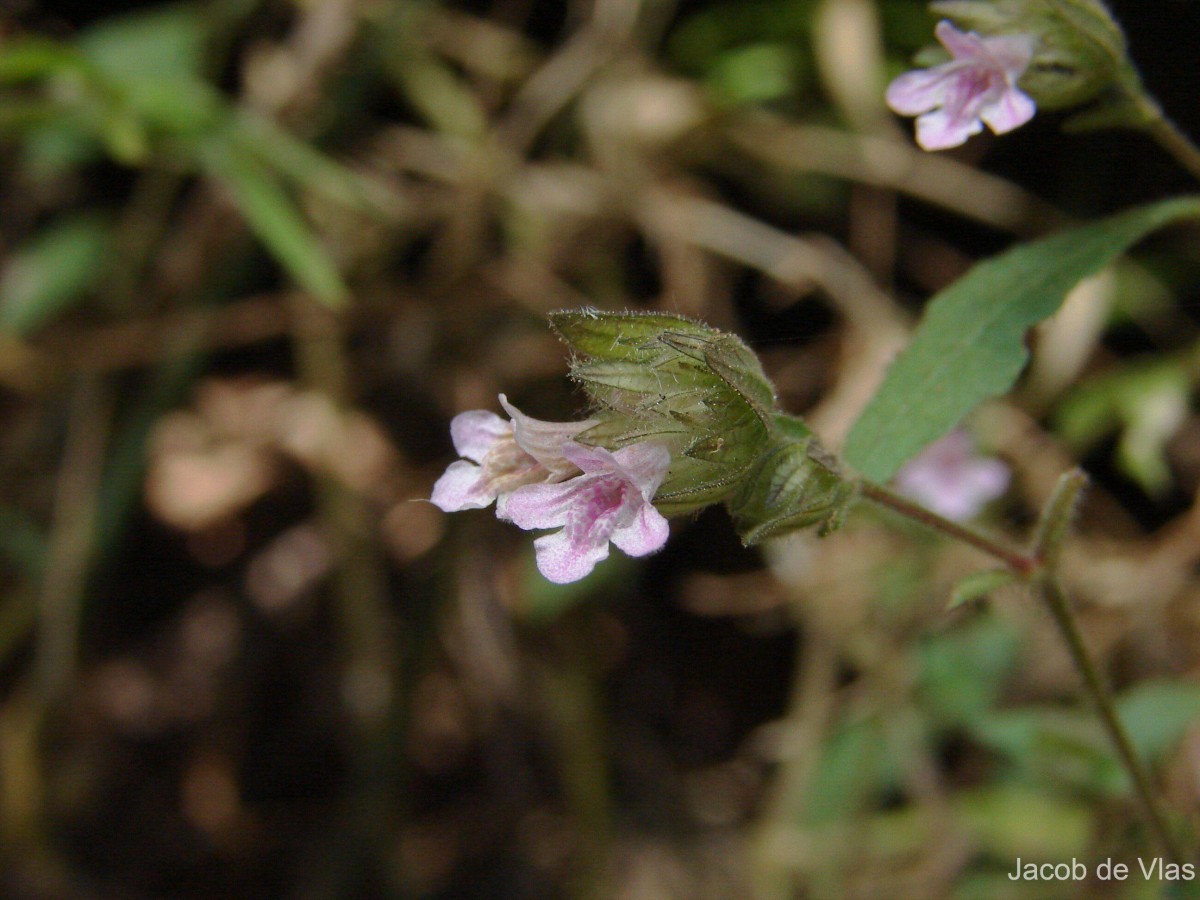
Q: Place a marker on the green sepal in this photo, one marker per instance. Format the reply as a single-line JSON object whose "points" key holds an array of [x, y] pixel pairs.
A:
{"points": [[704, 395], [793, 486], [652, 376], [624, 336]]}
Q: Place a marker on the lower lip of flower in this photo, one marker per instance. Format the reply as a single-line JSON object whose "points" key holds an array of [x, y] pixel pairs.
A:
{"points": [[602, 501]]}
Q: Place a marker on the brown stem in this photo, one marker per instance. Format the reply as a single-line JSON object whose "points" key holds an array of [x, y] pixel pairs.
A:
{"points": [[1056, 602], [1019, 562]]}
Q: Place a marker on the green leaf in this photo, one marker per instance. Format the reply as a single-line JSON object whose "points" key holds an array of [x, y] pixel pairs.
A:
{"points": [[963, 670], [1146, 402], [34, 57], [978, 585], [1068, 747], [163, 42], [1010, 821], [52, 271], [755, 74], [1157, 713], [274, 218], [310, 168], [1055, 747], [970, 344], [855, 765]]}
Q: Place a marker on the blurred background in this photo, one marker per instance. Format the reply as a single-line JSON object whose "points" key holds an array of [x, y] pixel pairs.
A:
{"points": [[258, 253]]}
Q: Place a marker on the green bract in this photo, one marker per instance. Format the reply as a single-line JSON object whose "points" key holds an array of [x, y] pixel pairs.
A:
{"points": [[702, 393]]}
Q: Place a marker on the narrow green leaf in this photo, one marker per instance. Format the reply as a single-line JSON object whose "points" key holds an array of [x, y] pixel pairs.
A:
{"points": [[310, 168], [274, 218], [970, 344], [51, 271]]}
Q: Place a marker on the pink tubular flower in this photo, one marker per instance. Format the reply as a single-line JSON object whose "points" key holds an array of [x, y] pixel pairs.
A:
{"points": [[978, 86], [609, 501], [949, 478], [504, 456]]}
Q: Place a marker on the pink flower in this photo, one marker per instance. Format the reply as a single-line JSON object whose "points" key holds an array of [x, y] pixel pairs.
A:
{"points": [[609, 501], [509, 455], [978, 86], [949, 478]]}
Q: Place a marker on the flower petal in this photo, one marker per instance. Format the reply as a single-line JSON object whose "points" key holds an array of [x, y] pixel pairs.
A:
{"points": [[987, 479], [474, 432], [1012, 110], [938, 131], [1011, 52], [951, 478], [562, 560], [544, 440], [592, 460], [461, 486], [646, 533], [919, 91], [961, 44], [645, 464], [544, 505]]}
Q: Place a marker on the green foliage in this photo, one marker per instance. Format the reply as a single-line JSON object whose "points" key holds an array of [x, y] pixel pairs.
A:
{"points": [[136, 86], [1144, 403], [754, 74], [1010, 821], [1067, 748], [963, 670], [272, 215], [970, 344], [22, 542], [854, 767], [978, 585], [52, 271], [792, 486]]}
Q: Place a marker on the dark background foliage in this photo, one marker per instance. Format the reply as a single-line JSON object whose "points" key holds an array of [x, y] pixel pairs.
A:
{"points": [[258, 254]]}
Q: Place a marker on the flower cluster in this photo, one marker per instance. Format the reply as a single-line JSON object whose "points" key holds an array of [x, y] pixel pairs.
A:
{"points": [[977, 87], [541, 477]]}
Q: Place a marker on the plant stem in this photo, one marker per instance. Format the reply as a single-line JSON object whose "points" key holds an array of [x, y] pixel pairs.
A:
{"points": [[1019, 562], [1168, 136], [1037, 568], [1060, 609]]}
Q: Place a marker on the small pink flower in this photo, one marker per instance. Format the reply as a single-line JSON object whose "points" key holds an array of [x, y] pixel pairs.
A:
{"points": [[978, 86], [609, 501], [504, 456], [949, 478]]}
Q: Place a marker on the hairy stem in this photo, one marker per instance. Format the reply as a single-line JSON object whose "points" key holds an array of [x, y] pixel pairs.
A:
{"points": [[1037, 568], [1019, 562], [1056, 601]]}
